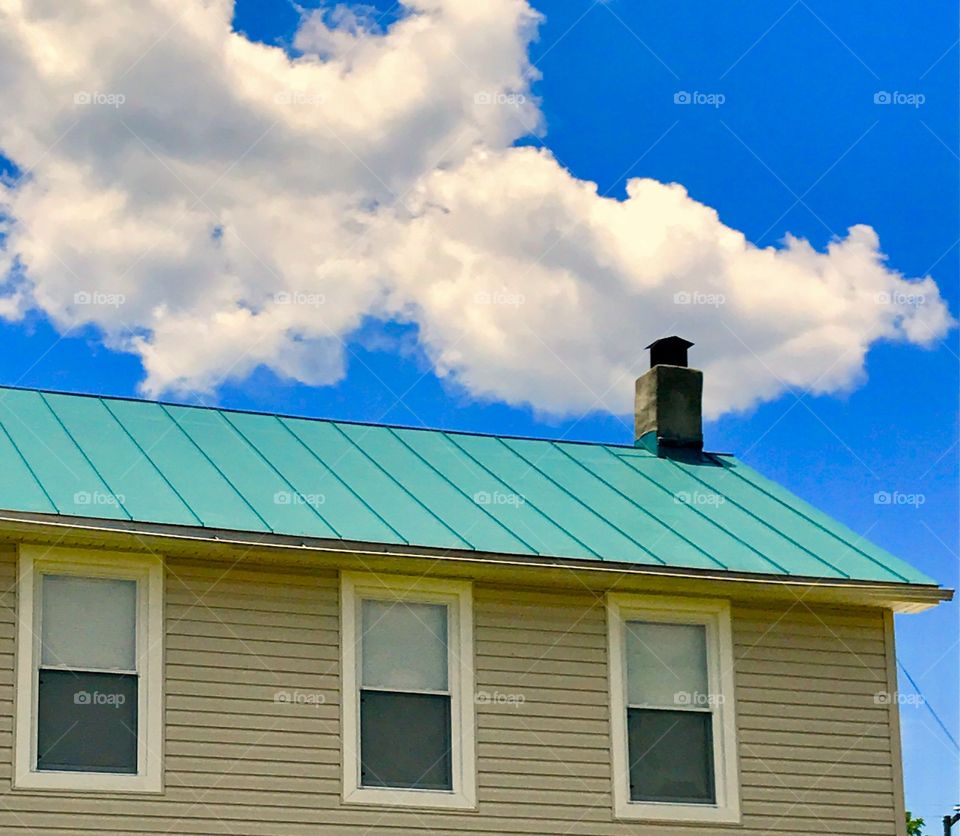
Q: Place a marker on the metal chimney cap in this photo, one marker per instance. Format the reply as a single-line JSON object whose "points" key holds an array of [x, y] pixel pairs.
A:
{"points": [[669, 351]]}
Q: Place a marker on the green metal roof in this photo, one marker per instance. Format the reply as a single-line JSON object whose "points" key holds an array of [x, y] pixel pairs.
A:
{"points": [[120, 459]]}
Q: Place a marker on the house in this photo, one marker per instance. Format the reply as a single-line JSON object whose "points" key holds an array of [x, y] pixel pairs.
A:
{"points": [[222, 622]]}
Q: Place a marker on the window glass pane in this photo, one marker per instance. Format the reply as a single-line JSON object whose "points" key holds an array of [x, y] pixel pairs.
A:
{"points": [[89, 622], [666, 664], [405, 740], [87, 722], [671, 756], [404, 646]]}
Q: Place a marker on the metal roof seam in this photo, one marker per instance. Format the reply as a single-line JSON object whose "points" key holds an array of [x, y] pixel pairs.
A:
{"points": [[510, 489], [656, 519], [118, 498], [463, 493], [823, 528], [34, 434], [773, 528], [409, 493], [275, 469], [149, 459], [213, 464], [580, 501], [29, 468], [296, 436], [714, 523], [635, 504]]}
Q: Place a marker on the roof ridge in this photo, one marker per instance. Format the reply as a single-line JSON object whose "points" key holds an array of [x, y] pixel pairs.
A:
{"points": [[289, 416]]}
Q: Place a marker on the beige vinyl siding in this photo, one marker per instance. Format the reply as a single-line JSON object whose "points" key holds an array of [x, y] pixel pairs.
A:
{"points": [[815, 748]]}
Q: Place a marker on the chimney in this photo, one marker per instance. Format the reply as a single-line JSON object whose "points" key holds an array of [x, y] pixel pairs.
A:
{"points": [[668, 400]]}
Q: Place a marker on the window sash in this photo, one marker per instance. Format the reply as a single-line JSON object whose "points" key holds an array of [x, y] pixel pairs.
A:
{"points": [[41, 575], [102, 640], [665, 659], [425, 691], [450, 660], [691, 709], [78, 669]]}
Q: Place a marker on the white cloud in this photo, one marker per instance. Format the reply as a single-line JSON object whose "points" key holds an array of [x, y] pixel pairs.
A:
{"points": [[212, 205]]}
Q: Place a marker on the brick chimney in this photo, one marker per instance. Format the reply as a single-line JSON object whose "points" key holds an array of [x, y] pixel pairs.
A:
{"points": [[669, 397]]}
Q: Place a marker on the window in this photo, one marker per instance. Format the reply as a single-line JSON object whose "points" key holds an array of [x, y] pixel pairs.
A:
{"points": [[89, 667], [408, 720], [671, 698]]}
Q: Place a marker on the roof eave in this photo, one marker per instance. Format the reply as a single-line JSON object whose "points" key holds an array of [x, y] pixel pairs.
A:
{"points": [[898, 596]]}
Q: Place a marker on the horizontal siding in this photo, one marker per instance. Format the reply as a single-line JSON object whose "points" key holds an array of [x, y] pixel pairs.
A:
{"points": [[814, 748]]}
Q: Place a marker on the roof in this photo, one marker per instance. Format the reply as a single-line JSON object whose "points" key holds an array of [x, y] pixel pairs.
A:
{"points": [[122, 459]]}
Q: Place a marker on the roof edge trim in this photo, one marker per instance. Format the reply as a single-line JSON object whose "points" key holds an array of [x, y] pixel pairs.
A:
{"points": [[900, 597]]}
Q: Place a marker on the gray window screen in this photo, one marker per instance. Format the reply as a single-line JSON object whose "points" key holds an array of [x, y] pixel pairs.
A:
{"points": [[87, 722], [405, 740], [671, 756]]}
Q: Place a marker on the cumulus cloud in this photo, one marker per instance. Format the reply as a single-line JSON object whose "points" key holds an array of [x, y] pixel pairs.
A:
{"points": [[215, 204]]}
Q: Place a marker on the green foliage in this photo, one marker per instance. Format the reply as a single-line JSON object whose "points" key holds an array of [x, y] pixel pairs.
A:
{"points": [[914, 826]]}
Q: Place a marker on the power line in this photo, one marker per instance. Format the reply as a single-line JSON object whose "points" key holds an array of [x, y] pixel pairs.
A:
{"points": [[926, 702]]}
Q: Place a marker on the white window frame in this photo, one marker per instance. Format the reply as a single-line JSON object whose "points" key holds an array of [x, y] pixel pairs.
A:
{"points": [[36, 561], [458, 596], [714, 615]]}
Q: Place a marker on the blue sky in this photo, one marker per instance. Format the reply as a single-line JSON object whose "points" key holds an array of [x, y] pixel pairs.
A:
{"points": [[793, 141]]}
